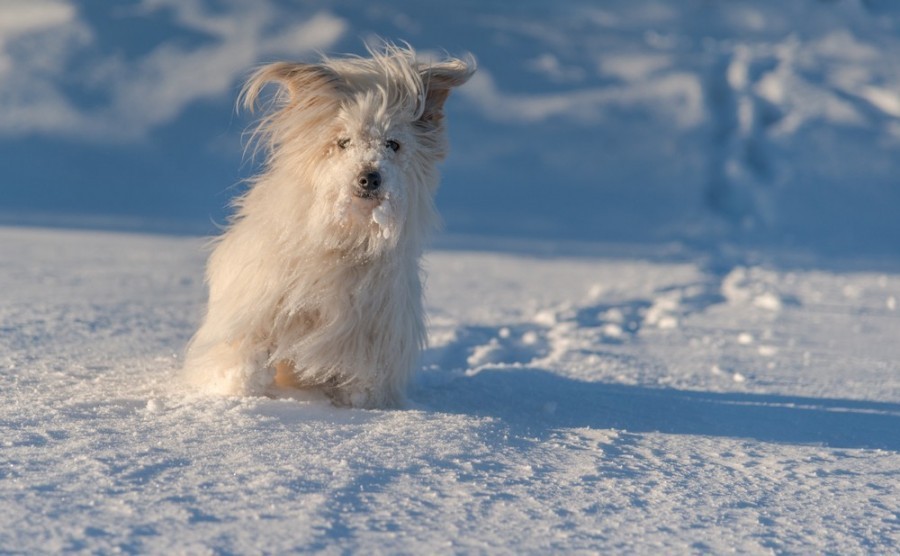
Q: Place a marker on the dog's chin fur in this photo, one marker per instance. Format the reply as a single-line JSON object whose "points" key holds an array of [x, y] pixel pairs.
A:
{"points": [[316, 282]]}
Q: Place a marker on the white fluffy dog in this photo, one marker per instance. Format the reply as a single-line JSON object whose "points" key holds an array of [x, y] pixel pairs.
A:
{"points": [[316, 281]]}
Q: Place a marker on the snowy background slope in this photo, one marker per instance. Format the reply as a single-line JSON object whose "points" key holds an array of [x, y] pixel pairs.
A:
{"points": [[629, 120], [663, 316]]}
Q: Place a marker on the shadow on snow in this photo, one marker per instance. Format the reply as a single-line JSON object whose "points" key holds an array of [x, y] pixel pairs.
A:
{"points": [[536, 402]]}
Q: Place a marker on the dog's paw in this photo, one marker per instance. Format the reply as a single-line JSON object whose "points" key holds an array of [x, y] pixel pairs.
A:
{"points": [[225, 371], [345, 396], [362, 397], [238, 381]]}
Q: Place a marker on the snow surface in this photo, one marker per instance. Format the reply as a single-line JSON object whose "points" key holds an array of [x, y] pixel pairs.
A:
{"points": [[608, 400]]}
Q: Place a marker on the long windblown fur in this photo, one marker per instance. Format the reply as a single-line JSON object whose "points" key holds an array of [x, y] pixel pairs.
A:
{"points": [[316, 281]]}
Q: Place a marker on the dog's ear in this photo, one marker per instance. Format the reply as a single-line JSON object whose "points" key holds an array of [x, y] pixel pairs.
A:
{"points": [[295, 81], [439, 79]]}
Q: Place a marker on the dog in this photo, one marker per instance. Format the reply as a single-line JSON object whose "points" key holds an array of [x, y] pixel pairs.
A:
{"points": [[316, 282]]}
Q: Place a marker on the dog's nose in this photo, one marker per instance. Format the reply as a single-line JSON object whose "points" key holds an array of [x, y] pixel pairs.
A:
{"points": [[370, 181]]}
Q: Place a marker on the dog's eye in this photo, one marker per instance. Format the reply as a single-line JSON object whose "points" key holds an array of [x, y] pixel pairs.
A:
{"points": [[393, 145], [343, 142]]}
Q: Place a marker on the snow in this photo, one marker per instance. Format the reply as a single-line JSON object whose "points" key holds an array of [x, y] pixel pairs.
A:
{"points": [[383, 217], [763, 120], [663, 317], [530, 427]]}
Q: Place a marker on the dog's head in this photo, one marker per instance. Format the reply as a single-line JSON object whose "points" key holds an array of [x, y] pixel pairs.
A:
{"points": [[357, 140]]}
